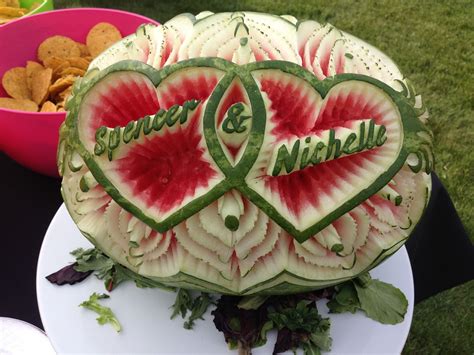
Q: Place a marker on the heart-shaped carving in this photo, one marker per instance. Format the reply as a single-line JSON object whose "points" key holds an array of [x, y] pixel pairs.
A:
{"points": [[126, 104], [355, 108], [201, 127]]}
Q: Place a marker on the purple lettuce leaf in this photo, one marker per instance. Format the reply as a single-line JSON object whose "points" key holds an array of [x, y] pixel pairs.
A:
{"points": [[68, 275]]}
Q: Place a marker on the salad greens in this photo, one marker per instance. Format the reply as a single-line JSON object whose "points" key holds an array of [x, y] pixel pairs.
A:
{"points": [[197, 306], [379, 300], [105, 313], [245, 321], [68, 275]]}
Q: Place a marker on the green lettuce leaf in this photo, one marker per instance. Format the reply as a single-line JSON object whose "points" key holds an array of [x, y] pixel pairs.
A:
{"points": [[382, 302], [379, 300], [345, 299], [321, 336], [185, 302], [182, 303], [311, 349], [252, 302], [105, 313], [93, 260], [198, 308]]}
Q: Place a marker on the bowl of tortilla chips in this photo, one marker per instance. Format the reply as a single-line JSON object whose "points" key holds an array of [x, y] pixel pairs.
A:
{"points": [[11, 10], [42, 56]]}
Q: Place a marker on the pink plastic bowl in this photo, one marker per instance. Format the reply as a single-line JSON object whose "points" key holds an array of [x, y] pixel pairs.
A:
{"points": [[32, 138]]}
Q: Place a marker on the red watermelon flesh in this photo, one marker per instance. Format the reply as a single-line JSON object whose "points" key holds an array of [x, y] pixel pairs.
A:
{"points": [[114, 102], [191, 84], [166, 168]]}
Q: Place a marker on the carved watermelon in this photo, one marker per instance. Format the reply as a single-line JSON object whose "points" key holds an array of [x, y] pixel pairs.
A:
{"points": [[245, 153]]}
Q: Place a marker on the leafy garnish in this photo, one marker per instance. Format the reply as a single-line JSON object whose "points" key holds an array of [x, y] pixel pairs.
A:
{"points": [[242, 329], [182, 304], [196, 305], [345, 299], [300, 317], [68, 275], [199, 307], [105, 313], [311, 349], [286, 340], [295, 317], [252, 302], [92, 260], [320, 336], [379, 300], [245, 321], [104, 268], [382, 302], [315, 295], [300, 326]]}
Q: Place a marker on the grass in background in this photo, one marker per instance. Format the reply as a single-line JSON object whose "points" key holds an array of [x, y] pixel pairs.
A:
{"points": [[432, 42]]}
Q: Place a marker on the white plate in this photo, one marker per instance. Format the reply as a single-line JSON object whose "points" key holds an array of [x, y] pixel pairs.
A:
{"points": [[145, 313]]}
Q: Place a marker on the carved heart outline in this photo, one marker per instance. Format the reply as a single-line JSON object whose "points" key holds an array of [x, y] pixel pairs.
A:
{"points": [[235, 175], [155, 77], [413, 129]]}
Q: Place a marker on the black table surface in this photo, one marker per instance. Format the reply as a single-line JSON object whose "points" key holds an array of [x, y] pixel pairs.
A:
{"points": [[440, 251]]}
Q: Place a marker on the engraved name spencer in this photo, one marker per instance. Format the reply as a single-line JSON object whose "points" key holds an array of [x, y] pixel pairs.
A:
{"points": [[319, 147], [109, 139]]}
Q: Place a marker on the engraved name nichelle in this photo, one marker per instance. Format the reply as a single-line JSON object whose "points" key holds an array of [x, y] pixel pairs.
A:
{"points": [[326, 145]]}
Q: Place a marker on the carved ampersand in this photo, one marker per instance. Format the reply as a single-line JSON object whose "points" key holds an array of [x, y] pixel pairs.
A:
{"points": [[234, 122]]}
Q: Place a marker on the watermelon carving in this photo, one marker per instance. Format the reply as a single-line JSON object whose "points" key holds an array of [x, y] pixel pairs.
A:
{"points": [[245, 153]]}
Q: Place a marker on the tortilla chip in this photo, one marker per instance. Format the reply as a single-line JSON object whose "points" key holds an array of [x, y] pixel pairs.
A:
{"points": [[31, 67], [78, 62], [40, 85], [72, 71], [63, 96], [57, 71], [18, 104], [12, 11], [83, 48], [48, 106], [15, 84], [10, 3], [58, 46], [101, 37], [61, 84], [53, 62]]}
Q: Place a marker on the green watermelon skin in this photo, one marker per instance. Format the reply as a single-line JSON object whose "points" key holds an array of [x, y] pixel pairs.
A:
{"points": [[158, 203]]}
